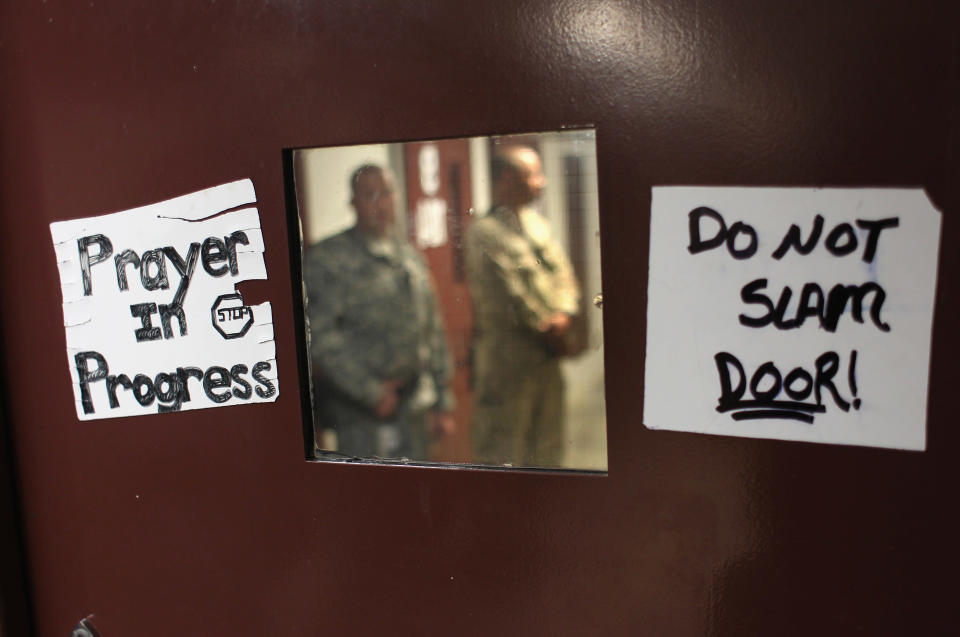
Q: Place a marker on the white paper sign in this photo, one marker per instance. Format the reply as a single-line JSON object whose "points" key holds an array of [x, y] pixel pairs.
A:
{"points": [[153, 320], [791, 313]]}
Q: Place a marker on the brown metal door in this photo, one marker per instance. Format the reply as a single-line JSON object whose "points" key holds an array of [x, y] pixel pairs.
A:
{"points": [[211, 522]]}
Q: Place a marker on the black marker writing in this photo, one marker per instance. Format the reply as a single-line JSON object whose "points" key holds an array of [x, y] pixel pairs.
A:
{"points": [[152, 264], [105, 249], [169, 389], [218, 257], [767, 383], [827, 309], [723, 235], [145, 311], [841, 241]]}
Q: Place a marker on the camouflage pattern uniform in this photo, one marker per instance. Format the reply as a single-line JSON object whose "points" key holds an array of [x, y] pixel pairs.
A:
{"points": [[519, 277], [373, 318]]}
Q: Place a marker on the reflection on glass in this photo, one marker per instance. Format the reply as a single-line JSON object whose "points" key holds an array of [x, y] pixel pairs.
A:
{"points": [[447, 289]]}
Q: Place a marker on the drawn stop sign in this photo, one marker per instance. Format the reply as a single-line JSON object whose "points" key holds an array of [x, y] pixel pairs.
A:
{"points": [[230, 316]]}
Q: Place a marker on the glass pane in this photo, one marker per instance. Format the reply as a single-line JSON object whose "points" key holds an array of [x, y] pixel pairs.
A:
{"points": [[452, 301]]}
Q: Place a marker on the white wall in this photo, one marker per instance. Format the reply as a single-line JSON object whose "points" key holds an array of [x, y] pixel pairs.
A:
{"points": [[325, 192], [480, 174]]}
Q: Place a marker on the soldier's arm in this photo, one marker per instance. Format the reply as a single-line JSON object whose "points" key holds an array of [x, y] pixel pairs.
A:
{"points": [[441, 420], [441, 362], [333, 355], [567, 292], [492, 262], [433, 351]]}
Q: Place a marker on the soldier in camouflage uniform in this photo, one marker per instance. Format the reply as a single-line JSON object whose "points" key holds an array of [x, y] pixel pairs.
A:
{"points": [[381, 363], [524, 296]]}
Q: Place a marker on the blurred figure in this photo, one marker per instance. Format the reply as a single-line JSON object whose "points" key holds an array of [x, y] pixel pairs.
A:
{"points": [[382, 368], [524, 296]]}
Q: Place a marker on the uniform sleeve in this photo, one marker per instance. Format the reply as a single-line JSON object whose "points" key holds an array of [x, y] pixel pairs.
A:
{"points": [[330, 351], [435, 358], [566, 290], [490, 265], [441, 362]]}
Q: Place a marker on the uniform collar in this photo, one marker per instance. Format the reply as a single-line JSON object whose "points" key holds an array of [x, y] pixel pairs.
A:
{"points": [[387, 248], [508, 217]]}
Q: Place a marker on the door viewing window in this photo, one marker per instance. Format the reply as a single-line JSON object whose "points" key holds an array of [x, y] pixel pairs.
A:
{"points": [[451, 295]]}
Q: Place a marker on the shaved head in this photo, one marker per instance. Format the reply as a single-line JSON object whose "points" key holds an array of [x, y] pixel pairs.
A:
{"points": [[517, 176]]}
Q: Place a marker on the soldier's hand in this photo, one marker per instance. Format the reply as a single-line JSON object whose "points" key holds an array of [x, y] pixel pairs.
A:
{"points": [[387, 405], [557, 325], [442, 424], [554, 330]]}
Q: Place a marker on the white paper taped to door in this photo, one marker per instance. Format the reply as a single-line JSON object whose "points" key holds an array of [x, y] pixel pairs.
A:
{"points": [[791, 313], [153, 320]]}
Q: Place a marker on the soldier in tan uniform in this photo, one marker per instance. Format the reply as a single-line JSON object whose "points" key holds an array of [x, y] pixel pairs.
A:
{"points": [[380, 358], [524, 296]]}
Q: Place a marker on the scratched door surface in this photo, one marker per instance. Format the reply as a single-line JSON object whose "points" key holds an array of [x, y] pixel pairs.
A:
{"points": [[210, 522]]}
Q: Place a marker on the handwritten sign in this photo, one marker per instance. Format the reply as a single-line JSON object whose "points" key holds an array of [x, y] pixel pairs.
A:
{"points": [[153, 320], [791, 313]]}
